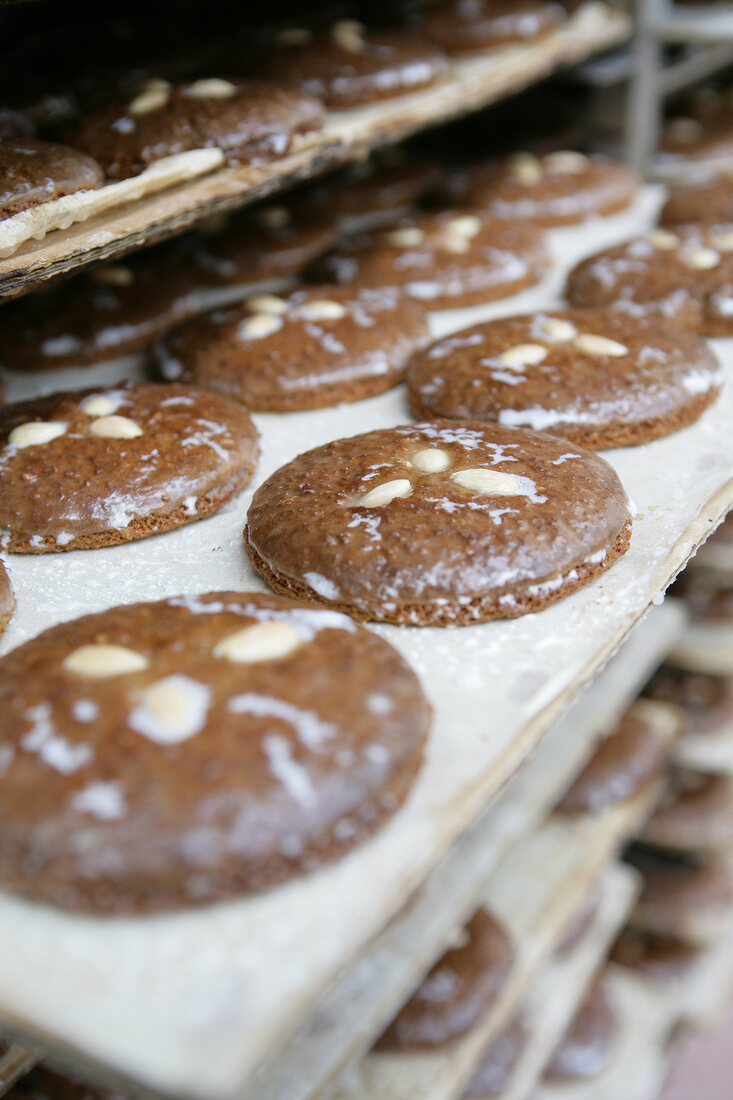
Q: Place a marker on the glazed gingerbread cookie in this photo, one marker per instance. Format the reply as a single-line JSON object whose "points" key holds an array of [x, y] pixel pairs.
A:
{"points": [[32, 172], [695, 815], [458, 991], [313, 348], [467, 26], [375, 191], [438, 524], [559, 188], [7, 599], [114, 310], [447, 259], [659, 959], [683, 897], [495, 1069], [172, 753], [347, 65], [700, 201], [83, 470], [685, 274], [251, 122], [596, 377], [588, 1044], [630, 758], [706, 701]]}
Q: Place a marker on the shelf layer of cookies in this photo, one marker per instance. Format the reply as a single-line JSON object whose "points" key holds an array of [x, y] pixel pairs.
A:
{"points": [[555, 996], [348, 136], [348, 1020], [537, 891], [211, 1016]]}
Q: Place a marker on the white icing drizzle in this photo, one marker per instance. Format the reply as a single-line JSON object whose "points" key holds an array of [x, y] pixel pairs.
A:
{"points": [[309, 728], [51, 747], [307, 621], [293, 776], [103, 800]]}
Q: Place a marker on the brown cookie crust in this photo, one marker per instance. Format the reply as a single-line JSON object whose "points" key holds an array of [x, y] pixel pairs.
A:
{"points": [[378, 189], [498, 1063], [681, 895], [457, 992], [447, 259], [347, 65], [198, 773], [462, 26], [695, 815], [32, 172], [649, 381], [7, 598], [587, 1046], [316, 347], [660, 959], [445, 553], [685, 274], [708, 200], [254, 123], [115, 310], [625, 762], [558, 188], [707, 701], [135, 461]]}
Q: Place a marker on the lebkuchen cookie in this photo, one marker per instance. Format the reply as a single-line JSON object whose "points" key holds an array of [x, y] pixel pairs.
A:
{"points": [[90, 469], [251, 122], [695, 815], [447, 523], [700, 201], [495, 1069], [630, 758], [587, 1047], [467, 26], [557, 188], [457, 992], [166, 754], [32, 172], [598, 378], [447, 259], [348, 65], [660, 959], [684, 274], [318, 346], [685, 897]]}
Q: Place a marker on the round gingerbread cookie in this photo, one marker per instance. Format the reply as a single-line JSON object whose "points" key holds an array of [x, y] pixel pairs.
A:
{"points": [[660, 959], [596, 377], [32, 172], [559, 188], [685, 274], [464, 26], [631, 757], [260, 244], [700, 201], [375, 191], [706, 701], [347, 65], [251, 122], [498, 1063], [458, 991], [706, 645], [7, 599], [698, 135], [588, 1044], [90, 469], [447, 259], [682, 896], [438, 524], [171, 753], [318, 346], [115, 310], [695, 815]]}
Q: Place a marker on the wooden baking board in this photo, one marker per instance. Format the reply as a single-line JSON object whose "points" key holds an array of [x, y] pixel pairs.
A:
{"points": [[16, 1061], [559, 990], [348, 1020], [212, 1013], [536, 891], [640, 1064], [471, 83]]}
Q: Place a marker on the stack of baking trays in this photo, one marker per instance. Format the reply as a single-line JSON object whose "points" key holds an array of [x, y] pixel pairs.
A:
{"points": [[324, 610]]}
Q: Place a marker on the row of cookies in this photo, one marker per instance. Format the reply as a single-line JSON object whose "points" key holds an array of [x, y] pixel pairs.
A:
{"points": [[293, 73]]}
